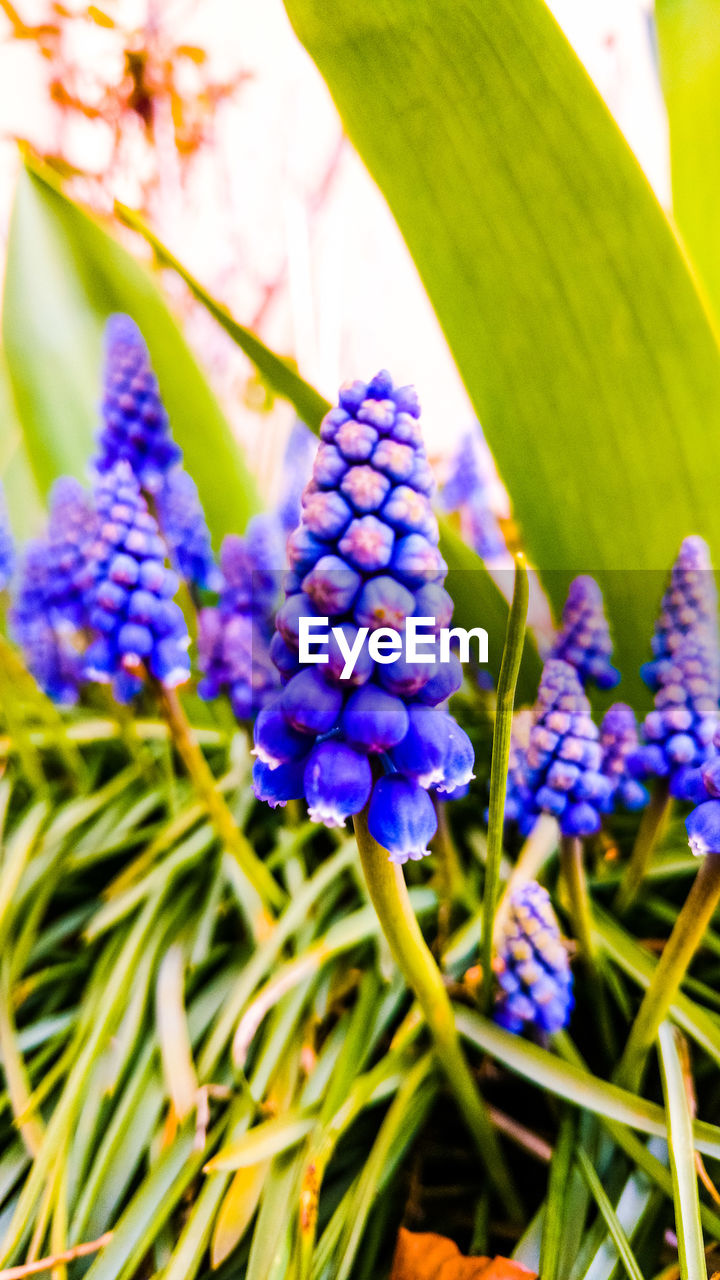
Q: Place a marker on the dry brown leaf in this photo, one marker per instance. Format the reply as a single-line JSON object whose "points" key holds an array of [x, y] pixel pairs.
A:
{"points": [[427, 1256]]}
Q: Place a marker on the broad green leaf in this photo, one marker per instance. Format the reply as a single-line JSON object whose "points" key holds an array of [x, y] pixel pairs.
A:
{"points": [[65, 275], [563, 294], [478, 600], [681, 1147], [25, 508], [689, 39]]}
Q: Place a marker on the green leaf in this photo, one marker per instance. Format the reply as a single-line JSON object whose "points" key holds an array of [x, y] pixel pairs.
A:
{"points": [[264, 1141], [65, 275], [565, 299], [689, 39], [612, 1221], [574, 1084], [691, 1247], [555, 1219]]}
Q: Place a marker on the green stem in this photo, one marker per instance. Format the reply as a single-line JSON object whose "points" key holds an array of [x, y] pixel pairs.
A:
{"points": [[512, 654], [572, 862], [233, 839], [672, 966], [388, 892], [573, 871], [652, 827]]}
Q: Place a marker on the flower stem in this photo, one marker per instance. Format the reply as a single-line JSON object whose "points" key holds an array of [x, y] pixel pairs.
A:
{"points": [[388, 892], [509, 668], [235, 842], [572, 863], [573, 872], [672, 966], [651, 829]]}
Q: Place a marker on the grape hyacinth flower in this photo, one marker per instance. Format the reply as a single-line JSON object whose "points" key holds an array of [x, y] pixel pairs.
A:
{"points": [[690, 603], [7, 546], [49, 615], [679, 731], [234, 637], [584, 638], [135, 426], [619, 740], [184, 528], [532, 967], [296, 471], [520, 807], [564, 755], [466, 492], [139, 629], [365, 555], [52, 653]]}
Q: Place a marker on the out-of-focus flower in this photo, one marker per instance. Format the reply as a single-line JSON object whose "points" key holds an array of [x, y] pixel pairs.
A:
{"points": [[234, 636], [365, 555], [49, 614], [531, 966], [184, 527], [135, 427], [564, 756], [690, 603], [520, 807], [7, 546], [619, 740], [296, 471], [52, 654], [679, 731], [466, 491], [584, 638], [139, 629]]}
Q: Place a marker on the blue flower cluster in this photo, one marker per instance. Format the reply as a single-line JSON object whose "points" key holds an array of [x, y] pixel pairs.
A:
{"points": [[7, 546], [50, 610], [564, 756], [619, 741], [365, 555], [135, 425], [703, 824], [584, 639], [532, 966], [520, 807], [139, 629], [234, 636], [690, 603], [185, 530], [679, 731], [466, 491]]}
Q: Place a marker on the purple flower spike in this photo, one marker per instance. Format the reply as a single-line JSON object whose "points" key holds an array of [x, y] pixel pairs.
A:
{"points": [[365, 558], [7, 546], [401, 818], [584, 640], [466, 491], [619, 741], [234, 637], [690, 603], [135, 425], [139, 630], [532, 967], [679, 731], [564, 756], [185, 530]]}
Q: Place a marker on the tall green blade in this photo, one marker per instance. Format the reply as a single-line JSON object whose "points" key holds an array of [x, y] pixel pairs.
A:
{"points": [[565, 298], [65, 275]]}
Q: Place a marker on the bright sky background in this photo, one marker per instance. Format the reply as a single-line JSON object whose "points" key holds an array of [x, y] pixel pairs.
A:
{"points": [[345, 295]]}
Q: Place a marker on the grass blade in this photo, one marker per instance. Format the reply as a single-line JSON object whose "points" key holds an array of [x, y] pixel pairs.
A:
{"points": [[681, 1143]]}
